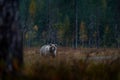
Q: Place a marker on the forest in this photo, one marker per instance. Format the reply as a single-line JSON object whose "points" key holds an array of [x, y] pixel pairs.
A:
{"points": [[71, 23], [87, 34]]}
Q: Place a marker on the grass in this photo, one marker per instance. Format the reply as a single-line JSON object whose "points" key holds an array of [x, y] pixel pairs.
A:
{"points": [[72, 64]]}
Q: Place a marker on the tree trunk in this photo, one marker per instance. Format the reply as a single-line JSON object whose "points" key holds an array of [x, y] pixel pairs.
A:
{"points": [[76, 24], [11, 57]]}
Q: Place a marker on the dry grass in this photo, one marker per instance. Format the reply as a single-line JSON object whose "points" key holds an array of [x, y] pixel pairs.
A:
{"points": [[73, 64]]}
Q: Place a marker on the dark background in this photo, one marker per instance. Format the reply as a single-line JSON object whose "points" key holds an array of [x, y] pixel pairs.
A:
{"points": [[72, 23]]}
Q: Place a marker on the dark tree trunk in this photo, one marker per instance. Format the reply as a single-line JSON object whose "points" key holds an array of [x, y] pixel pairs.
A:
{"points": [[11, 57], [49, 29], [97, 37], [76, 24]]}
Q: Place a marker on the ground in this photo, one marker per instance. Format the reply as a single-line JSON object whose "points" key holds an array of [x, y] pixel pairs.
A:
{"points": [[68, 59]]}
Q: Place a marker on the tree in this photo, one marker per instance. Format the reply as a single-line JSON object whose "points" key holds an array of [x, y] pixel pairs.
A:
{"points": [[117, 35], [76, 23], [32, 8], [60, 33], [30, 21], [83, 33], [107, 37], [11, 52], [66, 31], [50, 14], [24, 17]]}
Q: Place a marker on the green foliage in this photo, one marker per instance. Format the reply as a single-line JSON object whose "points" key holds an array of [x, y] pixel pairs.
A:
{"points": [[83, 33], [60, 15], [66, 34], [32, 8]]}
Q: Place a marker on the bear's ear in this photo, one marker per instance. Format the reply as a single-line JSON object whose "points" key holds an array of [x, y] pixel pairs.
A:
{"points": [[55, 45], [50, 44]]}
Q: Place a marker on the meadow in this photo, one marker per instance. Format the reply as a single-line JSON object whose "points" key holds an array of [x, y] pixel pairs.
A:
{"points": [[73, 64]]}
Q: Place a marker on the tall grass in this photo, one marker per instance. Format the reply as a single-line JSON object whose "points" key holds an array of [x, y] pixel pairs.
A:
{"points": [[68, 66]]}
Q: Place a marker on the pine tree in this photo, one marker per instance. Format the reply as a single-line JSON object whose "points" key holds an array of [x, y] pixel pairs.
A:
{"points": [[83, 33]]}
